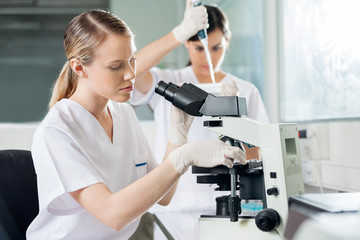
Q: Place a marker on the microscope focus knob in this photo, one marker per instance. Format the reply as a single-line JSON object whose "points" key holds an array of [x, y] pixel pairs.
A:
{"points": [[273, 191], [267, 220]]}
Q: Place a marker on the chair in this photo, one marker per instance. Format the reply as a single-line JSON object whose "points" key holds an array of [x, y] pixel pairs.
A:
{"points": [[18, 193]]}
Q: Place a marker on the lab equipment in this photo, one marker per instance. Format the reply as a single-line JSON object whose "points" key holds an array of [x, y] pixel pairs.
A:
{"points": [[192, 22], [202, 34], [196, 102], [272, 180], [279, 177]]}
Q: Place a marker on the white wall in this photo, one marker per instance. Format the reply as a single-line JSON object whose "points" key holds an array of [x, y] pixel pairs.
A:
{"points": [[330, 155], [19, 135], [16, 135], [150, 20]]}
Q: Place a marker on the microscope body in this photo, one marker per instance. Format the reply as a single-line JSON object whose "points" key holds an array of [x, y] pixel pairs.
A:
{"points": [[278, 177], [282, 178]]}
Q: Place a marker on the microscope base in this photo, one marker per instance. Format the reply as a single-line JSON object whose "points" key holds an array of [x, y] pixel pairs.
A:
{"points": [[222, 228]]}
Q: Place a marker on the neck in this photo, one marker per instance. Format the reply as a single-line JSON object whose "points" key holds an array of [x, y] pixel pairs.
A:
{"points": [[95, 104], [205, 78]]}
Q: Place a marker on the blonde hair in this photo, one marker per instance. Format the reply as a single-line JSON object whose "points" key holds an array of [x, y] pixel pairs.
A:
{"points": [[84, 34]]}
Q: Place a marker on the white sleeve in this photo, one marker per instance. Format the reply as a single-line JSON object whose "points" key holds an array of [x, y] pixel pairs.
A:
{"points": [[256, 108], [150, 97], [61, 168], [138, 98]]}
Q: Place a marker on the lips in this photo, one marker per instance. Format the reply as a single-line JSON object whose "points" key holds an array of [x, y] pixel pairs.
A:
{"points": [[127, 89]]}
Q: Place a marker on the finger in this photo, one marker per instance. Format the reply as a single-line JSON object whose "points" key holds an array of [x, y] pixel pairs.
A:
{"points": [[228, 163], [189, 4], [233, 83], [189, 119], [176, 110], [235, 153], [200, 13], [229, 87]]}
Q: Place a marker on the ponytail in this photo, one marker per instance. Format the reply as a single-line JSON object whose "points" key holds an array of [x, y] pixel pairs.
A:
{"points": [[64, 86], [83, 36]]}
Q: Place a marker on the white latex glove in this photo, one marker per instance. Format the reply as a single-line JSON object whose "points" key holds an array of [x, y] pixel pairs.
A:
{"points": [[180, 123], [205, 154], [228, 87], [195, 19]]}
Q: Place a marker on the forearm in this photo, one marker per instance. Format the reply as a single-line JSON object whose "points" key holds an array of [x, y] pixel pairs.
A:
{"points": [[117, 210], [150, 56], [167, 198], [144, 193]]}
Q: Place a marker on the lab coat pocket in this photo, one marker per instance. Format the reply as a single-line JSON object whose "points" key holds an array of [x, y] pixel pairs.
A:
{"points": [[140, 163]]}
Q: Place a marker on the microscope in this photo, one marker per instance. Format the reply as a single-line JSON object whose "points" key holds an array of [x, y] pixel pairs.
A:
{"points": [[273, 180]]}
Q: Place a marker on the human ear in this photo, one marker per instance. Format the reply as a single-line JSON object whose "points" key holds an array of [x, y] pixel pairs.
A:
{"points": [[78, 68]]}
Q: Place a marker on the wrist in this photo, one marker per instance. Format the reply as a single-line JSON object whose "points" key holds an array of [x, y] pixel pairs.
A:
{"points": [[179, 34], [177, 160]]}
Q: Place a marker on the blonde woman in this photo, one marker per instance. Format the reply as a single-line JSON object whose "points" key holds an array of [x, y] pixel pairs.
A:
{"points": [[96, 175]]}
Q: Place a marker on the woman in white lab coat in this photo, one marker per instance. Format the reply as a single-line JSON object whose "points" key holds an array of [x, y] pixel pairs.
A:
{"points": [[192, 196], [96, 175]]}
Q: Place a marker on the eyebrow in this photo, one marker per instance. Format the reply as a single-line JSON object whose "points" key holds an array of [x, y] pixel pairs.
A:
{"points": [[119, 60], [216, 45], [122, 60], [200, 45]]}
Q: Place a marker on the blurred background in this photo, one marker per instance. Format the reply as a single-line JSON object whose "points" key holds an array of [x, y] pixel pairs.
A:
{"points": [[304, 57]]}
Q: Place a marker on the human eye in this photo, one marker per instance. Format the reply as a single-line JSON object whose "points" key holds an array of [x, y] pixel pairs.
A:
{"points": [[216, 48], [117, 67], [199, 48]]}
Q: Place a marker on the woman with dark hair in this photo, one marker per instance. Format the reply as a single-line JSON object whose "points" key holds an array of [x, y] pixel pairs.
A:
{"points": [[96, 174], [192, 196]]}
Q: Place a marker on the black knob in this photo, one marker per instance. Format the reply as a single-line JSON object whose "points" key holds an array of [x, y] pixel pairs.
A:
{"points": [[273, 191], [267, 220], [234, 208]]}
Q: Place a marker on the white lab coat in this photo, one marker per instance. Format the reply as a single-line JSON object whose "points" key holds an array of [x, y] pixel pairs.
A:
{"points": [[71, 151], [190, 195]]}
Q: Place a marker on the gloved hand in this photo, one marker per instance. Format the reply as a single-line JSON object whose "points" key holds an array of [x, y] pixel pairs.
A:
{"points": [[195, 19], [205, 154], [228, 87], [180, 123]]}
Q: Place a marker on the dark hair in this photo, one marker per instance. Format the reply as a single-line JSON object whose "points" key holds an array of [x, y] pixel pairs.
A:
{"points": [[217, 20], [84, 34]]}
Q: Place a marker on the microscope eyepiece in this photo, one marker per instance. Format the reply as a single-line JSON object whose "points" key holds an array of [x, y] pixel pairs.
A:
{"points": [[196, 102], [187, 97], [166, 90]]}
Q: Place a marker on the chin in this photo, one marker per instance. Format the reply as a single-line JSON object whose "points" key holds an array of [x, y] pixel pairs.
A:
{"points": [[121, 98]]}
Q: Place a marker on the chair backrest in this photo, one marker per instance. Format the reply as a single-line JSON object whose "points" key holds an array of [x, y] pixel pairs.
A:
{"points": [[18, 193]]}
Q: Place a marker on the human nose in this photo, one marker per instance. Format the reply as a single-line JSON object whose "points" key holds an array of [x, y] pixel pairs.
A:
{"points": [[131, 70]]}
